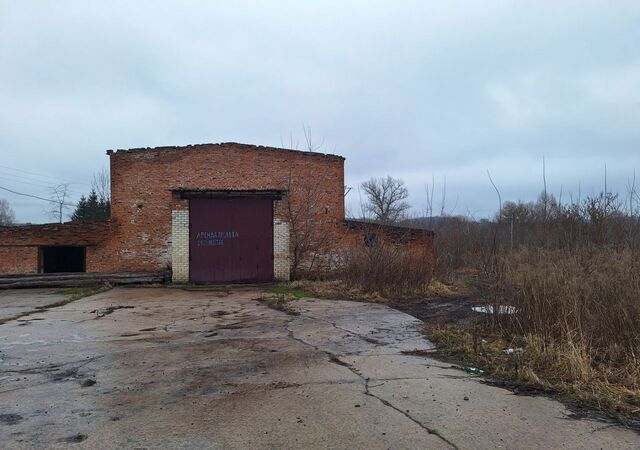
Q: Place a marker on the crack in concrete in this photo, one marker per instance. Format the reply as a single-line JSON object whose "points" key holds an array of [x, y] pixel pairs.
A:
{"points": [[386, 403], [409, 416], [53, 367], [365, 381]]}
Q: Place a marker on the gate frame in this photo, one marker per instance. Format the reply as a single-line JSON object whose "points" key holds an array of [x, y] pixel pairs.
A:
{"points": [[181, 230]]}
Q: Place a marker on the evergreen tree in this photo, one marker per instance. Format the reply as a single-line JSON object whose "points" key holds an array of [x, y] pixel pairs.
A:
{"points": [[92, 209]]}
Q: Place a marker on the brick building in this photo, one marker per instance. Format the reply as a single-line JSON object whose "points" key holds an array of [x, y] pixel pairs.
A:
{"points": [[211, 213]]}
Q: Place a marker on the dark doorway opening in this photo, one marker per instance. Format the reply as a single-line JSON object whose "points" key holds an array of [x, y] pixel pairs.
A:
{"points": [[62, 259]]}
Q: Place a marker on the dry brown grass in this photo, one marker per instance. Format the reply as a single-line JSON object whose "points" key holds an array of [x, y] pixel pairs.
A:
{"points": [[572, 271], [386, 269], [580, 311], [577, 325]]}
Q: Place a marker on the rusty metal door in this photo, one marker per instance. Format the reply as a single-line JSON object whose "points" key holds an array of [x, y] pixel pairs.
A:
{"points": [[230, 240]]}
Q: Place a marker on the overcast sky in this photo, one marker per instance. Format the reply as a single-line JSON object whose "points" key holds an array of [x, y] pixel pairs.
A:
{"points": [[411, 89]]}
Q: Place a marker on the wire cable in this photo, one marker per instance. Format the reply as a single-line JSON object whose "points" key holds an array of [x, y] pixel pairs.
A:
{"points": [[35, 196]]}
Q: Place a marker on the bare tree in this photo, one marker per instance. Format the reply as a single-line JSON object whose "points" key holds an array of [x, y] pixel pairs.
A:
{"points": [[497, 191], [307, 238], [7, 217], [101, 184], [309, 144], [59, 196], [386, 198]]}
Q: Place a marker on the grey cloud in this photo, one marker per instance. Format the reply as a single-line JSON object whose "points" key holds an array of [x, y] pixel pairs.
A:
{"points": [[406, 88]]}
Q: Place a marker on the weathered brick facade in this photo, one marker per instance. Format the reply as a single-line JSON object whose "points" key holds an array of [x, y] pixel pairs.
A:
{"points": [[149, 228], [145, 185]]}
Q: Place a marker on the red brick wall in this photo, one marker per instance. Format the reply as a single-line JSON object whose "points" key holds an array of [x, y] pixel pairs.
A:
{"points": [[23, 241], [418, 241], [142, 180], [139, 234], [70, 233], [16, 260]]}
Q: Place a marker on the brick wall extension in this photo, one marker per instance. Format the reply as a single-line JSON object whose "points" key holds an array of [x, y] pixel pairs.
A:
{"points": [[418, 241], [70, 233], [19, 244], [18, 260]]}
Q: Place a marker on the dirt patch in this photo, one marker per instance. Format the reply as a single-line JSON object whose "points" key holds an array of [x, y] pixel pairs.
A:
{"points": [[279, 302], [76, 438], [232, 326], [71, 296], [10, 419], [64, 375], [418, 352], [441, 310], [334, 359], [109, 310], [283, 385]]}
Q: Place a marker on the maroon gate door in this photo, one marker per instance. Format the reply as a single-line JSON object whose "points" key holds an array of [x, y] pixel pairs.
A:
{"points": [[231, 240]]}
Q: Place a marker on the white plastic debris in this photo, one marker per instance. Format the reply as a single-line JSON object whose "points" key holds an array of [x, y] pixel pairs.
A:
{"points": [[502, 309], [512, 351]]}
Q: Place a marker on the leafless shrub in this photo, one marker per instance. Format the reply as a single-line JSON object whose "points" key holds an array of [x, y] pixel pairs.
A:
{"points": [[101, 184], [308, 241], [385, 267]]}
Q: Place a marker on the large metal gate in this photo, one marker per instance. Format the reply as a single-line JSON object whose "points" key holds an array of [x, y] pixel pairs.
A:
{"points": [[230, 240]]}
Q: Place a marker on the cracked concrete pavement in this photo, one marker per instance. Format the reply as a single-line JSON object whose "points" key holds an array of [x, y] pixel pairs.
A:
{"points": [[167, 368], [14, 303]]}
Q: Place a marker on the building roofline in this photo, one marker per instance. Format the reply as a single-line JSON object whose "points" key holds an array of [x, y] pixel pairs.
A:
{"points": [[222, 144]]}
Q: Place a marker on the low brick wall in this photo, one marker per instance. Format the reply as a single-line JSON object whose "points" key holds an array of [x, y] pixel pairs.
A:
{"points": [[70, 233], [418, 240], [18, 260], [19, 244]]}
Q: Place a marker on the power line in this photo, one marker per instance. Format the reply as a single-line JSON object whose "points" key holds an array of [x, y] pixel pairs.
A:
{"points": [[30, 173], [35, 196], [17, 179], [40, 176]]}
